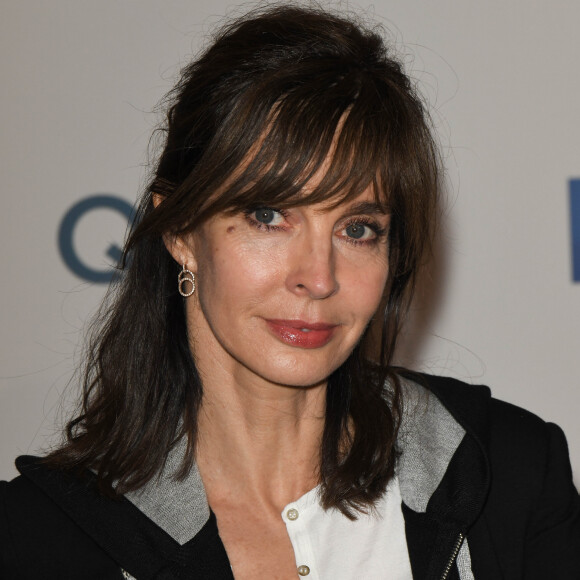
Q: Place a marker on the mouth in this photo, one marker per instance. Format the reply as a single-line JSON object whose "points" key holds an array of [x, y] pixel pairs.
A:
{"points": [[300, 333]]}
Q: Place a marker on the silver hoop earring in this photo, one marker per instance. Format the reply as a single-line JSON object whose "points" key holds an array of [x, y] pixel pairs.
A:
{"points": [[185, 276]]}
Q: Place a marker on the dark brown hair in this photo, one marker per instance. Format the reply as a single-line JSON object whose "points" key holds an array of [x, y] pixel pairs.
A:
{"points": [[248, 124]]}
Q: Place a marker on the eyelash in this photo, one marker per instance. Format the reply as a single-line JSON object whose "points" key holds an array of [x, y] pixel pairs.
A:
{"points": [[262, 226], [379, 231]]}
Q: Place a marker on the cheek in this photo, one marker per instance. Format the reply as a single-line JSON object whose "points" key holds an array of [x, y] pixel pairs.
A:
{"points": [[236, 275], [365, 285], [371, 295]]}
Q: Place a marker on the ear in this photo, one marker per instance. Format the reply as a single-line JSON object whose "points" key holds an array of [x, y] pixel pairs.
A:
{"points": [[180, 247]]}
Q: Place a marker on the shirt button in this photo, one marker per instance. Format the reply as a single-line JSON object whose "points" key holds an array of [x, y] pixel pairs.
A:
{"points": [[292, 514], [303, 570]]}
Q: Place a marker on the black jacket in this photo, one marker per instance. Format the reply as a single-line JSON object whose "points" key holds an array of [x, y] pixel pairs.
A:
{"points": [[487, 494]]}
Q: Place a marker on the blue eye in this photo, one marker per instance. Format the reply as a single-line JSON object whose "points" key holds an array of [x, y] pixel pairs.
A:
{"points": [[359, 231], [268, 216], [356, 231]]}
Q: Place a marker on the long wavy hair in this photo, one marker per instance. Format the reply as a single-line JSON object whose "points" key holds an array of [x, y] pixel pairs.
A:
{"points": [[289, 85]]}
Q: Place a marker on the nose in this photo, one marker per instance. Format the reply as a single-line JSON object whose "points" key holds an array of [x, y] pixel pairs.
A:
{"points": [[312, 269]]}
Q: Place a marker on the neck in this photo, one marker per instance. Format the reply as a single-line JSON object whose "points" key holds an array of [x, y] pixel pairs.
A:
{"points": [[260, 440]]}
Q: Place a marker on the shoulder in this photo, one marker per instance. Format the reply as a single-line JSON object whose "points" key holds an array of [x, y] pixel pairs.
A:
{"points": [[522, 451], [486, 417], [532, 509], [36, 535]]}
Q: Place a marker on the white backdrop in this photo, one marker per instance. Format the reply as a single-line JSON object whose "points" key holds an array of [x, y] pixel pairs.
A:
{"points": [[79, 80]]}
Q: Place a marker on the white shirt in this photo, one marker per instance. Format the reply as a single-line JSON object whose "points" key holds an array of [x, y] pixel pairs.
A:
{"points": [[329, 546]]}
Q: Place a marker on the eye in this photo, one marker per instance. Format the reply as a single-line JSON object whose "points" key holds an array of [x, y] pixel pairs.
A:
{"points": [[359, 231], [268, 216]]}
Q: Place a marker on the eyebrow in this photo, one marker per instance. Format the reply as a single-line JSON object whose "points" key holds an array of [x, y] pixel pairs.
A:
{"points": [[366, 207]]}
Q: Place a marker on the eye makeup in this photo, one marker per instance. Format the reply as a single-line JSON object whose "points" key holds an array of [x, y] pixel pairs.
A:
{"points": [[365, 222], [256, 217], [364, 230]]}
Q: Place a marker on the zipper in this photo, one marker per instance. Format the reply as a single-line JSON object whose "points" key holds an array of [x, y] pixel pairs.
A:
{"points": [[453, 556]]}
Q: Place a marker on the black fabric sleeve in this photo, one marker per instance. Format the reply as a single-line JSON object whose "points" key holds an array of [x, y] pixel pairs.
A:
{"points": [[530, 526], [553, 534], [38, 540], [8, 562]]}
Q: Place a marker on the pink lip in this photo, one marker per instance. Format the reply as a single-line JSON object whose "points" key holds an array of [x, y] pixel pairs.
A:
{"points": [[301, 333]]}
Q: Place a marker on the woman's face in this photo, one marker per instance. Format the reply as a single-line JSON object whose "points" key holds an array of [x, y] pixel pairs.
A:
{"points": [[284, 296]]}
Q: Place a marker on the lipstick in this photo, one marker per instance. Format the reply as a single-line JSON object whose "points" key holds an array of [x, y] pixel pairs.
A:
{"points": [[301, 333]]}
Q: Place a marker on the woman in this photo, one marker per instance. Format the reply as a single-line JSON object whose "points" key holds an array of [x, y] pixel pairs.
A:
{"points": [[242, 416]]}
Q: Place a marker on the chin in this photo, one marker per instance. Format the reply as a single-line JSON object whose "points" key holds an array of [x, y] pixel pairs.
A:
{"points": [[299, 375], [307, 383]]}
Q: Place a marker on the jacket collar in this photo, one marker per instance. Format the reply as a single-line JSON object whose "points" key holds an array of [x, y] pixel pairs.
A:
{"points": [[438, 418], [443, 435], [436, 531], [428, 438], [463, 490], [178, 507]]}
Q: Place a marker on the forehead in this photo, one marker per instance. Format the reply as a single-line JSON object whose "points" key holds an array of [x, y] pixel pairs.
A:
{"points": [[366, 202], [327, 183], [326, 162], [280, 172]]}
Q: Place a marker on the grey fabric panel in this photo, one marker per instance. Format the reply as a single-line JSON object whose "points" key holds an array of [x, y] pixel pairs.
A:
{"points": [[464, 562], [179, 508], [428, 438]]}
